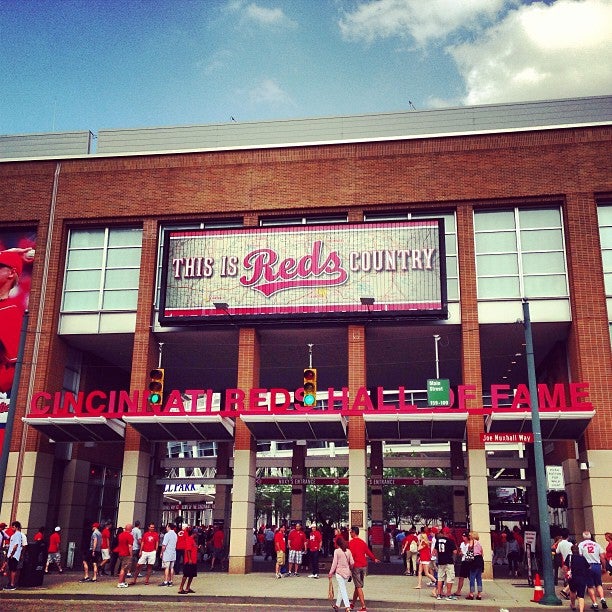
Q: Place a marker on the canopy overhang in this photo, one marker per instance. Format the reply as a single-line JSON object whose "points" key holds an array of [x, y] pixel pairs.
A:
{"points": [[418, 425], [554, 424], [209, 427], [79, 428], [299, 426]]}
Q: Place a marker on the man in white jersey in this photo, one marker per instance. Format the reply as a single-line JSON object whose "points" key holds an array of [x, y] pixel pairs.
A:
{"points": [[596, 558], [564, 548]]}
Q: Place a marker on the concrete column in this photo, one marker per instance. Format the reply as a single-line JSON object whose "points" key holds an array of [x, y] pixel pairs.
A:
{"points": [[298, 492], [358, 491], [243, 494], [596, 485], [573, 486]]}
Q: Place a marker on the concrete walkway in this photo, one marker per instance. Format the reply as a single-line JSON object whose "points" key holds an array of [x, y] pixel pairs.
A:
{"points": [[383, 592]]}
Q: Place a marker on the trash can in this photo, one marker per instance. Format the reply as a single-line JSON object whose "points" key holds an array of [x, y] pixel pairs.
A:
{"points": [[34, 560]]}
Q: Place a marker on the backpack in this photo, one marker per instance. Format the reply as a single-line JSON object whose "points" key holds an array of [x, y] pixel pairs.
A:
{"points": [[413, 546]]}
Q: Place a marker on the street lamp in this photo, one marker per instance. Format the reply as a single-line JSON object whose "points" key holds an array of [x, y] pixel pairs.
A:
{"points": [[550, 598]]}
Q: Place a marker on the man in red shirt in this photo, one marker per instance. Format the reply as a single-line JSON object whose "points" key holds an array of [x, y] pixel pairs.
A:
{"points": [[218, 542], [148, 553], [315, 541], [105, 549], [53, 552], [297, 546], [181, 542], [280, 546], [360, 551], [125, 540]]}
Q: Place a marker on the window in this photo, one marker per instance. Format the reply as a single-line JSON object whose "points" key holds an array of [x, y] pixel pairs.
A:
{"points": [[102, 270], [519, 253], [450, 238], [604, 214], [311, 220]]}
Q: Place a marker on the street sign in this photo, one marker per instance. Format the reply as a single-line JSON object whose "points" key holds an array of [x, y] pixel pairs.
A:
{"points": [[554, 478], [438, 392]]}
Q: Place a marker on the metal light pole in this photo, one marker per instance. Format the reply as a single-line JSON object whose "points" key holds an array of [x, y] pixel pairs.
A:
{"points": [[550, 598]]}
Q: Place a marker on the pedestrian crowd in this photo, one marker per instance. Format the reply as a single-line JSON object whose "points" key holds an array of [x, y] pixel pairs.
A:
{"points": [[126, 552]]}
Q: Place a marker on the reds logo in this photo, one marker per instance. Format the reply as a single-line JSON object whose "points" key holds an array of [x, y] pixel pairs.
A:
{"points": [[270, 274]]}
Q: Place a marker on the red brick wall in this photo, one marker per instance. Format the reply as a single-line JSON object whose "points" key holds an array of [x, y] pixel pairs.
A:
{"points": [[565, 166]]}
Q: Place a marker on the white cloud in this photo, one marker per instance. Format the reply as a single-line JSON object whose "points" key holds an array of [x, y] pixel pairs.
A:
{"points": [[540, 51], [260, 14], [423, 20], [269, 92]]}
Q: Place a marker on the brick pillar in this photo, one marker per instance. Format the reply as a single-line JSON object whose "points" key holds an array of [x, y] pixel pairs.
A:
{"points": [[135, 480], [298, 492], [590, 358], [243, 495], [478, 496], [358, 491]]}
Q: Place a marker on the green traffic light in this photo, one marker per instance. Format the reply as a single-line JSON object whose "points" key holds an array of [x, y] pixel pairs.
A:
{"points": [[309, 400], [155, 398]]}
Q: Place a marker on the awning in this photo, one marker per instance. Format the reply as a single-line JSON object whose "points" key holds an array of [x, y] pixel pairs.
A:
{"points": [[210, 427], [555, 424], [298, 426], [79, 428], [418, 425]]}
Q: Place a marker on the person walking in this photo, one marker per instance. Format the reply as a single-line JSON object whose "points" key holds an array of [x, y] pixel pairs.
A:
{"points": [[579, 575], [595, 556], [168, 554], [92, 556], [53, 552], [424, 547], [475, 555], [149, 544], [297, 547], [342, 568], [125, 541], [15, 550], [190, 565], [360, 552], [315, 541], [280, 547], [464, 564]]}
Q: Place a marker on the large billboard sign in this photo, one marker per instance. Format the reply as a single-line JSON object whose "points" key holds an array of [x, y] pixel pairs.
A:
{"points": [[17, 250], [368, 269]]}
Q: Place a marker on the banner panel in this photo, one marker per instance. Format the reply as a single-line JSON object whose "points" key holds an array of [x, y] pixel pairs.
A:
{"points": [[17, 251], [377, 269]]}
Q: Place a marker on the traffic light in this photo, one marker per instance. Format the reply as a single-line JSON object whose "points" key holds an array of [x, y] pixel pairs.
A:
{"points": [[557, 499], [310, 387], [156, 387]]}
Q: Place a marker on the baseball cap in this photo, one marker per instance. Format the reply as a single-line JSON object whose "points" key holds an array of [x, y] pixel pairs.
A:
{"points": [[58, 529], [96, 525], [12, 260], [446, 531], [2, 525]]}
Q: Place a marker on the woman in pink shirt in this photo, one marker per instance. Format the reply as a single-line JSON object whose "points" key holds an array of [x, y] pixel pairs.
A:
{"points": [[342, 565]]}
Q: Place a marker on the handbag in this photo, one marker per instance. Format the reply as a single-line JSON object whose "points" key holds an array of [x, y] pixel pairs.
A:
{"points": [[469, 555]]}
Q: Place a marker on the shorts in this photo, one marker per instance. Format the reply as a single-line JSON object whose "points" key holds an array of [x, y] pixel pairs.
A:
{"points": [[594, 577], [190, 570], [464, 569], [147, 558], [54, 558], [359, 574], [13, 564], [578, 587], [446, 573], [125, 563], [295, 556], [280, 557], [218, 553], [105, 554], [95, 556], [169, 565]]}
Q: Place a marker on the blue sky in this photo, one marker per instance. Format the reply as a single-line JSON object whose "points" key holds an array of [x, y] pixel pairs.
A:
{"points": [[99, 64]]}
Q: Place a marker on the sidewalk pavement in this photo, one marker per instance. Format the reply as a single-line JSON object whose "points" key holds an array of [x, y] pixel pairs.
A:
{"points": [[383, 592]]}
